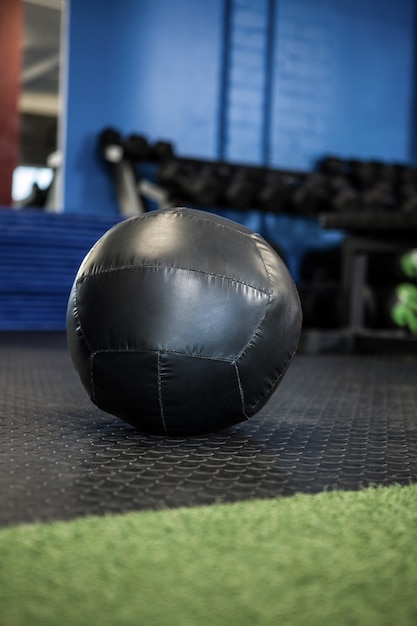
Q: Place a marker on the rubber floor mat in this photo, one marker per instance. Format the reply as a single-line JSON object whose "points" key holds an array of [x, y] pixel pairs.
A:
{"points": [[335, 422]]}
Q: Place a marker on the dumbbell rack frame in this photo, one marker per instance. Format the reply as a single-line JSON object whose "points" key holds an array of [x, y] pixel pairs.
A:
{"points": [[385, 234]]}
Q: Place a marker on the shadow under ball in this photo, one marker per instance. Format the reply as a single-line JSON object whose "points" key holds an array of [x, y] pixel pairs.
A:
{"points": [[181, 322]]}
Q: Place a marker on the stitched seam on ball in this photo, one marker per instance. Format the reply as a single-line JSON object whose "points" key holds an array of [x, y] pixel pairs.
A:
{"points": [[257, 327], [242, 395], [184, 212], [149, 351], [214, 224], [161, 404], [276, 380], [172, 267], [93, 391]]}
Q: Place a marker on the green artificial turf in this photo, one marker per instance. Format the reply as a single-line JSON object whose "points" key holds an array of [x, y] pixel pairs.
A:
{"points": [[334, 559]]}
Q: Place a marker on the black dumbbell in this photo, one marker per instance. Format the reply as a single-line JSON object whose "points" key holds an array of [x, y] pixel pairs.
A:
{"points": [[110, 145], [241, 190], [162, 151], [204, 187], [389, 173], [312, 196], [332, 165], [343, 196], [169, 175], [112, 150], [275, 193], [365, 174], [379, 197], [137, 147], [196, 183]]}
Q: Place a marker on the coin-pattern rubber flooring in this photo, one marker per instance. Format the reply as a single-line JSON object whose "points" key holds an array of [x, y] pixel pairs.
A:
{"points": [[335, 422]]}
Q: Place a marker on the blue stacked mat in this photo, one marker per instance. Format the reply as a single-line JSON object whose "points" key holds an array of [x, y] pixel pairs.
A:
{"points": [[40, 254]]}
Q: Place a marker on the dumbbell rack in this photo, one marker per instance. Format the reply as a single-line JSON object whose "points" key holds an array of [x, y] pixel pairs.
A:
{"points": [[345, 196], [201, 183], [367, 235]]}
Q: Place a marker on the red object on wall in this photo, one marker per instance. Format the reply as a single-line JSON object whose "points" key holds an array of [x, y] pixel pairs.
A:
{"points": [[11, 27]]}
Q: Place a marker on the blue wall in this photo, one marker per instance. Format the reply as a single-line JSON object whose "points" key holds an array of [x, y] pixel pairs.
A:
{"points": [[246, 81], [343, 80], [280, 82], [150, 67]]}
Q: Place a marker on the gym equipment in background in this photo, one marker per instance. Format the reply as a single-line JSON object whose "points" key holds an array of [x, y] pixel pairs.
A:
{"points": [[119, 154], [199, 183], [403, 304], [181, 322], [340, 186], [403, 311], [349, 196]]}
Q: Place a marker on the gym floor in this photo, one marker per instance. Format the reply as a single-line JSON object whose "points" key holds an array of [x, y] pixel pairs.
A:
{"points": [[337, 421]]}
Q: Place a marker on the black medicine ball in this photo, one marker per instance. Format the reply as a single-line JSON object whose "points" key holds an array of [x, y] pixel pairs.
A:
{"points": [[180, 322]]}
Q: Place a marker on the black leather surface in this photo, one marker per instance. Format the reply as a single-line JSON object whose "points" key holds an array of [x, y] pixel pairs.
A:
{"points": [[335, 422], [181, 322]]}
